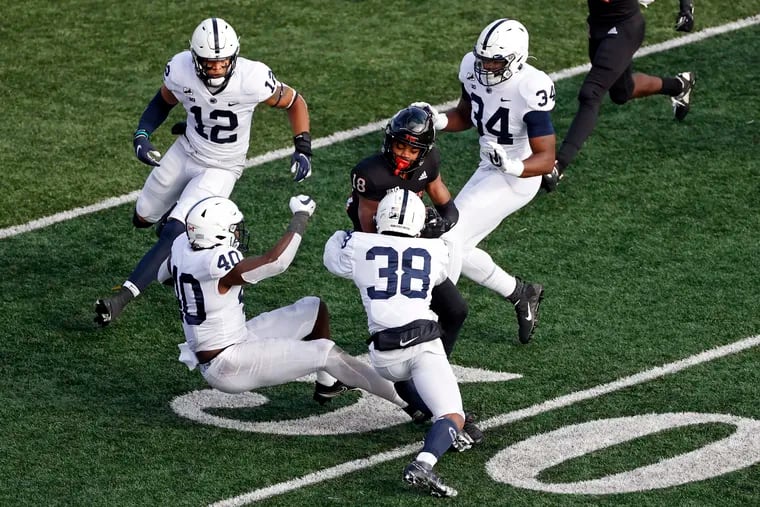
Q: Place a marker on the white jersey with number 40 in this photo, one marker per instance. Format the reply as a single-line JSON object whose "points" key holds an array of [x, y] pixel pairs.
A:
{"points": [[210, 320]]}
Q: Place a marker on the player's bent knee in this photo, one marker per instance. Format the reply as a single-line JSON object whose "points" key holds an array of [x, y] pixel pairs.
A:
{"points": [[590, 93], [619, 98], [139, 222]]}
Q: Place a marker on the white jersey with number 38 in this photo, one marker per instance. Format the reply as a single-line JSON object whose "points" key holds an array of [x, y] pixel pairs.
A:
{"points": [[395, 275]]}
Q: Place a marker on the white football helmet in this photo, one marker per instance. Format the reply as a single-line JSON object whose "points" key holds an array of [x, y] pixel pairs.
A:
{"points": [[501, 51], [214, 40], [216, 221], [401, 212]]}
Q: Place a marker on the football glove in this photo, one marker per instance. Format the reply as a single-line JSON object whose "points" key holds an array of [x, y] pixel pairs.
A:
{"points": [[435, 224], [440, 120], [499, 159], [302, 203], [300, 161], [550, 181], [144, 149], [685, 18]]}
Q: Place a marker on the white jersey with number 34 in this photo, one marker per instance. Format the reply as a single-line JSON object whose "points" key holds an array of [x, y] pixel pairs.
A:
{"points": [[498, 111]]}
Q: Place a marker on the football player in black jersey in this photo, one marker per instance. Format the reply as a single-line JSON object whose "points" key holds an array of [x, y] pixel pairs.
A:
{"points": [[409, 160], [616, 31]]}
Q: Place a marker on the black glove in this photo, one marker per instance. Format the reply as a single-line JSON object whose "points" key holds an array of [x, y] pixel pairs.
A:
{"points": [[300, 161], [685, 18], [435, 224], [550, 181], [179, 128], [144, 149]]}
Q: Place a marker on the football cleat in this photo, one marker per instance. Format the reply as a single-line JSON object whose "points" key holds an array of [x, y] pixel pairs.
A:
{"points": [[527, 299], [323, 393], [418, 416], [106, 310], [421, 475], [682, 101], [472, 430]]}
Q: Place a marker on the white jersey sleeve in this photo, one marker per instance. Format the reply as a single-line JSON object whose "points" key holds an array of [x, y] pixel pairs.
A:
{"points": [[537, 90], [338, 255]]}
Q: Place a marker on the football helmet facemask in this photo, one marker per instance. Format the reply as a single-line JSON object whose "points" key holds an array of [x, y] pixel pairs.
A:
{"points": [[216, 221], [400, 212], [413, 126], [500, 52], [214, 40]]}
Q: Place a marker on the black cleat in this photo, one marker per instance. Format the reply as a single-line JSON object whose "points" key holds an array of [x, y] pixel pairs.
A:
{"points": [[418, 416], [682, 101], [323, 393], [527, 300], [421, 475], [471, 429], [106, 310]]}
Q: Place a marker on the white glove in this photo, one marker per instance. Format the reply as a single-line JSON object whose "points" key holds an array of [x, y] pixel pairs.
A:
{"points": [[440, 120], [645, 3], [500, 161], [303, 203]]}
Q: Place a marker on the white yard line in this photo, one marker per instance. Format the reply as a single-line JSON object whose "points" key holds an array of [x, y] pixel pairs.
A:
{"points": [[369, 128], [500, 420]]}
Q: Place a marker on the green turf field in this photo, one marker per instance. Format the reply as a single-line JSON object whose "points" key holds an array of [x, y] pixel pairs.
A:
{"points": [[648, 251]]}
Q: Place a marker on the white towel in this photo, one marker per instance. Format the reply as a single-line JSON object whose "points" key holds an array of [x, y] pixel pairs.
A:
{"points": [[187, 356]]}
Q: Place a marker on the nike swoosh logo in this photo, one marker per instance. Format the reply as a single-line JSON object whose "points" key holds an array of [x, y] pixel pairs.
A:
{"points": [[404, 343], [232, 103], [530, 315], [506, 100], [138, 151], [307, 201]]}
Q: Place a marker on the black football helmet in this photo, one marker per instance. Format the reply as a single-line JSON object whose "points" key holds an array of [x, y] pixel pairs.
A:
{"points": [[413, 126]]}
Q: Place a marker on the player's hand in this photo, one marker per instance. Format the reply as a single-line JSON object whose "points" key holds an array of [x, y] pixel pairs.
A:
{"points": [[144, 149], [550, 181], [435, 224], [499, 159], [302, 203], [440, 120], [685, 18], [179, 128], [300, 161]]}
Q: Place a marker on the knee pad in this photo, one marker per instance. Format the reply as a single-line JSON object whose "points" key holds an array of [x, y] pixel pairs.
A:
{"points": [[138, 222]]}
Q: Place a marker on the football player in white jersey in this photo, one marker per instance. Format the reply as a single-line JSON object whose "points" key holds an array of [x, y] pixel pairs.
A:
{"points": [[509, 102], [395, 272], [219, 91], [234, 354]]}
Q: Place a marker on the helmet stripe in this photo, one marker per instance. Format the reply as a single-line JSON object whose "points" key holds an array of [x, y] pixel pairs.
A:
{"points": [[494, 27], [403, 207], [216, 35]]}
